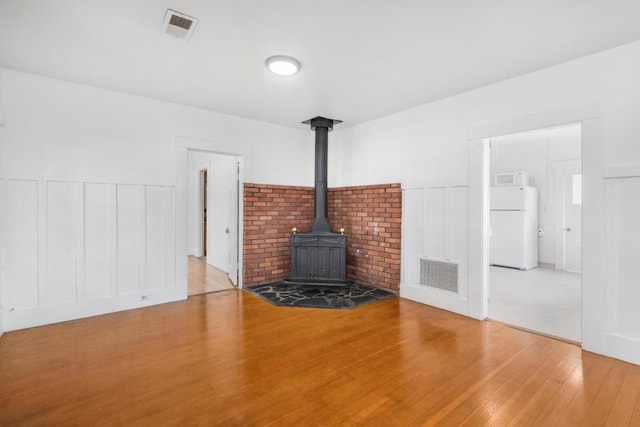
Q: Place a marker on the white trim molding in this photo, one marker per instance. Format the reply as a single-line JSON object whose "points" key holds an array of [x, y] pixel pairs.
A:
{"points": [[183, 146], [630, 170]]}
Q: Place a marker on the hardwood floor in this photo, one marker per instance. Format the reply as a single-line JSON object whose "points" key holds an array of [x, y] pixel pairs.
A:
{"points": [[205, 278], [228, 358]]}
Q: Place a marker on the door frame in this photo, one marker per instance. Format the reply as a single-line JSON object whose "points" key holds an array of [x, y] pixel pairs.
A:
{"points": [[183, 146], [593, 237]]}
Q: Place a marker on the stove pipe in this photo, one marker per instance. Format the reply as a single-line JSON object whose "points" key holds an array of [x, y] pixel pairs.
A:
{"points": [[322, 126]]}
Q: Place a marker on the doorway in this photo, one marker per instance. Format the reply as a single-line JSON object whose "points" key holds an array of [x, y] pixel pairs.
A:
{"points": [[212, 219], [185, 146], [535, 211]]}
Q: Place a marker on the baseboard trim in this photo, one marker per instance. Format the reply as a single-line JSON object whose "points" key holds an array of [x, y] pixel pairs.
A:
{"points": [[29, 318]]}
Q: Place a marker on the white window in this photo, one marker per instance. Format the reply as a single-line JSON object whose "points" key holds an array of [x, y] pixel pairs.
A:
{"points": [[576, 189]]}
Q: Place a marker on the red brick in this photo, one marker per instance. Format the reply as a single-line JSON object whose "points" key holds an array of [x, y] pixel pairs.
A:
{"points": [[360, 210]]}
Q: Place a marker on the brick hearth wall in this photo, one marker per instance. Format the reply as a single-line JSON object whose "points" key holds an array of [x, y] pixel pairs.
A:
{"points": [[270, 211], [371, 216]]}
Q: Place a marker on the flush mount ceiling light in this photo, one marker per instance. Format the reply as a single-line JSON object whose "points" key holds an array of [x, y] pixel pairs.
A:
{"points": [[283, 65]]}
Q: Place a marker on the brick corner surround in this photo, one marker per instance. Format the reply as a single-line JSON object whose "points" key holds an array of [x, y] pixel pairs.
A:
{"points": [[371, 216]]}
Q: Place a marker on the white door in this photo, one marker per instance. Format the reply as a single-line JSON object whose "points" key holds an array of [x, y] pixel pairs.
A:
{"points": [[233, 224], [572, 223]]}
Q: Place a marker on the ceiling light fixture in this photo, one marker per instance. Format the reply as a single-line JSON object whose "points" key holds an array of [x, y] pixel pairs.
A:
{"points": [[283, 65]]}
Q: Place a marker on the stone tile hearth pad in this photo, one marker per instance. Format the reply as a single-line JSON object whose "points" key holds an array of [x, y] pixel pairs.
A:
{"points": [[318, 296]]}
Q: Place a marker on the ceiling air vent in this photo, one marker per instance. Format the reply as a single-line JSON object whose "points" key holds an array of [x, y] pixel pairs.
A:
{"points": [[178, 24]]}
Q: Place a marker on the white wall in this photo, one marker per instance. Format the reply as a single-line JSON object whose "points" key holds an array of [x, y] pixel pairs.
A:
{"points": [[429, 144], [535, 153], [87, 193]]}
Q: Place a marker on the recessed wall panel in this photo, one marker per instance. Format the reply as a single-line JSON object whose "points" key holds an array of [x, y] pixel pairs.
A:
{"points": [[457, 248], [623, 254], [127, 232], [170, 236], [435, 233], [63, 227], [155, 235], [97, 240], [20, 243], [413, 233], [458, 224]]}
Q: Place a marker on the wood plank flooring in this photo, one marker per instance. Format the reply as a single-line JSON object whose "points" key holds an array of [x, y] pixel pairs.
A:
{"points": [[205, 278], [228, 358]]}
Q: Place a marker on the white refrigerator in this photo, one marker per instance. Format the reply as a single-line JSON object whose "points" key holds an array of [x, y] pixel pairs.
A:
{"points": [[514, 227]]}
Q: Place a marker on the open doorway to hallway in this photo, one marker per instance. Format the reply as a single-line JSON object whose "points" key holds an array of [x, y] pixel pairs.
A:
{"points": [[212, 222], [535, 203]]}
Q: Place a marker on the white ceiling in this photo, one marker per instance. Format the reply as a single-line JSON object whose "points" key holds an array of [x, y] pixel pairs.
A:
{"points": [[361, 59]]}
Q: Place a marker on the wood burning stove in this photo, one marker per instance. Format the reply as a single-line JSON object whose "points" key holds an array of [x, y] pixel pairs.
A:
{"points": [[319, 257]]}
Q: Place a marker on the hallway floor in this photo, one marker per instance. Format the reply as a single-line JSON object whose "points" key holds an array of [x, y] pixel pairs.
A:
{"points": [[543, 300], [205, 278]]}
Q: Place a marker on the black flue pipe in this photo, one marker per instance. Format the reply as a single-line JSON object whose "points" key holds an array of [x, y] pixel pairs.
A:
{"points": [[321, 126]]}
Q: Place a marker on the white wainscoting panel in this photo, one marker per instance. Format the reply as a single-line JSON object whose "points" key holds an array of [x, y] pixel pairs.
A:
{"points": [[622, 257], [99, 236], [64, 226], [78, 249], [170, 237], [128, 239], [435, 225], [20, 244], [457, 241], [157, 232], [435, 217], [413, 234]]}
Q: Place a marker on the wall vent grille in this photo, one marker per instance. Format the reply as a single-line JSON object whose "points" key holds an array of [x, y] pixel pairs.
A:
{"points": [[439, 274], [178, 24]]}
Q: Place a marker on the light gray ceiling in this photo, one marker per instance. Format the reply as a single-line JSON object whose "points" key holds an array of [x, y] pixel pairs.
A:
{"points": [[361, 59]]}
